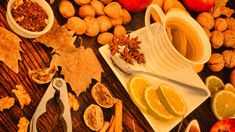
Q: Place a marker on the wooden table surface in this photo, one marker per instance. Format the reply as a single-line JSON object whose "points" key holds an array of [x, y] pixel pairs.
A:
{"points": [[38, 56]]}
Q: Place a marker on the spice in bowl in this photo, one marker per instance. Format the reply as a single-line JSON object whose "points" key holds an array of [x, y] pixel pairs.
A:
{"points": [[29, 15]]}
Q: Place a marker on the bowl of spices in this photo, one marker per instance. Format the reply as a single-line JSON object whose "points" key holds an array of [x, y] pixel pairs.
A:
{"points": [[29, 18]]}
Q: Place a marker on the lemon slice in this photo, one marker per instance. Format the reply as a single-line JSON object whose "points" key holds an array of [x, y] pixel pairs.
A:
{"points": [[214, 84], [172, 100], [229, 87], [137, 87], [155, 106], [223, 104]]}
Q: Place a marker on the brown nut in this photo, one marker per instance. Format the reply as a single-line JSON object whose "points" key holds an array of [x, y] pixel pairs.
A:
{"points": [[82, 2], [229, 38], [217, 39], [216, 62], [104, 23], [229, 57], [92, 26], [113, 10], [119, 31], [116, 21], [86, 10], [66, 9], [231, 23], [98, 7], [105, 38], [126, 17], [232, 78], [206, 20], [77, 25], [221, 24]]}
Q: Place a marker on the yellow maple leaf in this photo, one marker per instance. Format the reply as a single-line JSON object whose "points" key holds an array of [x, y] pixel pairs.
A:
{"points": [[79, 66], [10, 49], [58, 37]]}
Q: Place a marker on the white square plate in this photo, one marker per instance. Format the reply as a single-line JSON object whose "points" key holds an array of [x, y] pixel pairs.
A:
{"points": [[187, 75]]}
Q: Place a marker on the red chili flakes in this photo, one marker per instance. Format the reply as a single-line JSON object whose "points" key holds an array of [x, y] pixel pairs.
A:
{"points": [[30, 15]]}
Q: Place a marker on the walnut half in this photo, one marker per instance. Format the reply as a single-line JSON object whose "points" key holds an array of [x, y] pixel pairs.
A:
{"points": [[216, 62]]}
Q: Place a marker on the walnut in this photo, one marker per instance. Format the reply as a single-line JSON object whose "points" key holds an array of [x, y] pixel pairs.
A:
{"points": [[221, 24], [232, 77], [216, 62], [206, 20], [22, 96], [73, 102], [229, 57], [223, 11], [217, 39], [6, 103], [229, 38], [231, 23], [23, 124]]}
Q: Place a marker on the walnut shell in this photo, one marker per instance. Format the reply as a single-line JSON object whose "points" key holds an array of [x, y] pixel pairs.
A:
{"points": [[116, 21], [92, 26], [105, 38], [229, 57], [216, 62], [105, 1], [229, 38], [104, 23], [231, 23], [126, 17], [102, 96], [98, 7], [217, 39], [113, 10], [43, 76], [86, 10], [119, 31], [221, 24], [206, 20], [77, 25], [93, 117], [66, 9]]}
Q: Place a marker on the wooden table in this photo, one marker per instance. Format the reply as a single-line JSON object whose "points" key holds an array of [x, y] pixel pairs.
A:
{"points": [[38, 56]]}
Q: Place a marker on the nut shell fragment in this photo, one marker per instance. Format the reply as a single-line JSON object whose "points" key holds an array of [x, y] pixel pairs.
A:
{"points": [[216, 62], [102, 96], [42, 76], [93, 117]]}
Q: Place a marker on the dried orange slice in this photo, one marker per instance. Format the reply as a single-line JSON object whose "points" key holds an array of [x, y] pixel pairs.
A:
{"points": [[93, 117], [102, 96]]}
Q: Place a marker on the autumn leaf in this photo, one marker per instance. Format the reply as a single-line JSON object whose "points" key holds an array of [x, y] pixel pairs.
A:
{"points": [[79, 66], [58, 37], [10, 49]]}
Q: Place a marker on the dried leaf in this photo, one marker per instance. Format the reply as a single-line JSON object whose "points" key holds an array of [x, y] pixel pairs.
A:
{"points": [[58, 37], [73, 102], [79, 65], [23, 124], [6, 103], [22, 95], [10, 49]]}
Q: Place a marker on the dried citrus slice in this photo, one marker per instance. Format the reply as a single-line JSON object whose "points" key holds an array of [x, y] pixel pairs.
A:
{"points": [[137, 87], [156, 107], [229, 87], [223, 104], [93, 117], [172, 100], [214, 84], [102, 96]]}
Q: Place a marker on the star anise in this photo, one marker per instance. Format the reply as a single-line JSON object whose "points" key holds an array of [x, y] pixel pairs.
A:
{"points": [[133, 43], [127, 56], [114, 46], [140, 58]]}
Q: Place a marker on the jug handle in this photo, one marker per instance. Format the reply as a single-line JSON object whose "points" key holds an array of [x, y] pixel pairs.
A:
{"points": [[147, 19]]}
